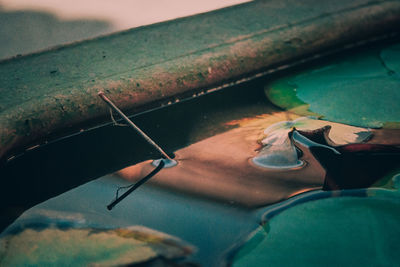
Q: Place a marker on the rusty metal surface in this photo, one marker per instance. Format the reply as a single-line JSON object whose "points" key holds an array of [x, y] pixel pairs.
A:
{"points": [[56, 90]]}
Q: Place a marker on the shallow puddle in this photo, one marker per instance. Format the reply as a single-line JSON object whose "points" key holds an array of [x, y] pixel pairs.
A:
{"points": [[210, 227], [239, 166]]}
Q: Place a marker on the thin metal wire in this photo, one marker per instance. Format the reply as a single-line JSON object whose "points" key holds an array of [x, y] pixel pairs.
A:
{"points": [[130, 123]]}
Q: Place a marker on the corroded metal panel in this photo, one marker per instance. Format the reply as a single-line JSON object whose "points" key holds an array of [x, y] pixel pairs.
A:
{"points": [[48, 92]]}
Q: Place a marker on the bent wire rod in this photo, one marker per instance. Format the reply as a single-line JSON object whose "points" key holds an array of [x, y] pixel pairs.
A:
{"points": [[130, 123]]}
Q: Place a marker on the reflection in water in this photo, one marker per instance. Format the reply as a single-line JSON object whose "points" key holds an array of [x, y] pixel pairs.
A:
{"points": [[209, 226], [353, 165], [216, 167], [219, 168], [168, 163], [279, 152], [46, 172], [282, 155]]}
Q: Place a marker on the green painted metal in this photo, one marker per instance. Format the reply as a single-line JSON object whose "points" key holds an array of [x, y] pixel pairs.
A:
{"points": [[53, 91]]}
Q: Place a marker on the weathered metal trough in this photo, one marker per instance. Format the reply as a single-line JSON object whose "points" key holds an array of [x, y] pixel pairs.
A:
{"points": [[53, 94]]}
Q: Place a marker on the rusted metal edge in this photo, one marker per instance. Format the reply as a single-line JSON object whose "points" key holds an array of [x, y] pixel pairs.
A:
{"points": [[54, 90]]}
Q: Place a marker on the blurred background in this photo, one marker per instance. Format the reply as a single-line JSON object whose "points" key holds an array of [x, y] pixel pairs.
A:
{"points": [[28, 26]]}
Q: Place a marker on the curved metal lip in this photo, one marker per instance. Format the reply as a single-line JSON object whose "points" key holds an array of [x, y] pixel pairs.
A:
{"points": [[48, 106]]}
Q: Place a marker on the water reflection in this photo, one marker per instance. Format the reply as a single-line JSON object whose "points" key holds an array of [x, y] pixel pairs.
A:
{"points": [[209, 226], [279, 152], [219, 168], [232, 167], [216, 165]]}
